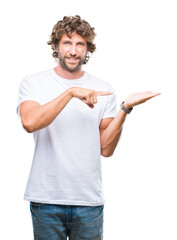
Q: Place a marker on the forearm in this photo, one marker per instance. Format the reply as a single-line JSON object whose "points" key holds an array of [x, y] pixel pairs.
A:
{"points": [[43, 115], [35, 117], [112, 133], [109, 149]]}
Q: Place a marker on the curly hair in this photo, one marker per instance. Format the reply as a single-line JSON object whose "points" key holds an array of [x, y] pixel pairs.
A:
{"points": [[69, 25]]}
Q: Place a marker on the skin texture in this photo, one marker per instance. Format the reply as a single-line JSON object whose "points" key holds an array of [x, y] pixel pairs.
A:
{"points": [[72, 52]]}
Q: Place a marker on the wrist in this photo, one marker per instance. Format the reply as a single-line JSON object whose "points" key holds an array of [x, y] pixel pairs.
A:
{"points": [[70, 92], [126, 108]]}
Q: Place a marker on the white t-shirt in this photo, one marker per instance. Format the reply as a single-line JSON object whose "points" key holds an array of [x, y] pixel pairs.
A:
{"points": [[66, 167]]}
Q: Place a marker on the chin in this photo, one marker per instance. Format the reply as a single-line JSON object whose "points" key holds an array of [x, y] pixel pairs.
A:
{"points": [[74, 68]]}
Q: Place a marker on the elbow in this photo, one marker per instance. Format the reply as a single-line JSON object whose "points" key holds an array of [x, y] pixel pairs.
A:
{"points": [[28, 126], [106, 151], [106, 154]]}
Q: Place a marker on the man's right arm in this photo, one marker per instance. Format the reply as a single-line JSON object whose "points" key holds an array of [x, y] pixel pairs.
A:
{"points": [[35, 116]]}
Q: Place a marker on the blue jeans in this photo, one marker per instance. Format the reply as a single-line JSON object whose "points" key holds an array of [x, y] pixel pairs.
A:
{"points": [[56, 222]]}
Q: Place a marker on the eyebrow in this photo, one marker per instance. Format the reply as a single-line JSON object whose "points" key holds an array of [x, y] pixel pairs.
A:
{"points": [[68, 40], [82, 42]]}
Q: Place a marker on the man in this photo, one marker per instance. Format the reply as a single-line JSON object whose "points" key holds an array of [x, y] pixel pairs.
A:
{"points": [[74, 120]]}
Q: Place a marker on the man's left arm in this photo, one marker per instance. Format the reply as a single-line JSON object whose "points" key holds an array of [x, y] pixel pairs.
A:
{"points": [[111, 128], [110, 132]]}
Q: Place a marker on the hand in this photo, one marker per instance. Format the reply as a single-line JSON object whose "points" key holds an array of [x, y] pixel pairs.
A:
{"points": [[88, 96], [138, 98]]}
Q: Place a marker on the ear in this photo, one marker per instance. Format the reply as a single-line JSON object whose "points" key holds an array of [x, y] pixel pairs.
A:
{"points": [[56, 49]]}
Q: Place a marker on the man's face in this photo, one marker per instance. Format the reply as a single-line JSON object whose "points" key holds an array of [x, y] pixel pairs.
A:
{"points": [[72, 52]]}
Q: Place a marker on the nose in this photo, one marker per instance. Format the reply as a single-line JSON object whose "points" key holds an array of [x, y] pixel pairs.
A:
{"points": [[73, 50]]}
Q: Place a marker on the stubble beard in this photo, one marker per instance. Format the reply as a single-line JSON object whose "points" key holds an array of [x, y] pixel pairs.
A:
{"points": [[62, 61]]}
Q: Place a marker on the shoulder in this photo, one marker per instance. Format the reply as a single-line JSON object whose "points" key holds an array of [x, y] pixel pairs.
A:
{"points": [[36, 78], [38, 75]]}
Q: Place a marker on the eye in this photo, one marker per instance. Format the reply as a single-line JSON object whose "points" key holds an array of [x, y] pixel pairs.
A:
{"points": [[66, 43], [81, 44]]}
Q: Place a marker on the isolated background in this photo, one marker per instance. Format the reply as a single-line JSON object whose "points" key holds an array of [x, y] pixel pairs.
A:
{"points": [[136, 51]]}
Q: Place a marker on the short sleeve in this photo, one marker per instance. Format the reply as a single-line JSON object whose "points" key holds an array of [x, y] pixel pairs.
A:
{"points": [[26, 92], [111, 106]]}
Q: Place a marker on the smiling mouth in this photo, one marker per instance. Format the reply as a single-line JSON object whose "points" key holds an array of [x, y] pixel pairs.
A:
{"points": [[72, 60]]}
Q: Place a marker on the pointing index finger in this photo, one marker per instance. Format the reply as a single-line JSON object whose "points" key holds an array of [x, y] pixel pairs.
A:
{"points": [[103, 93]]}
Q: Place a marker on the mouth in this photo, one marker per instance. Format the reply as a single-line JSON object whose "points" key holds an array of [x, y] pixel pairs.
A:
{"points": [[72, 60]]}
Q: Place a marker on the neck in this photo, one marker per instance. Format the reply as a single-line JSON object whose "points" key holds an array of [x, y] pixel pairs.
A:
{"points": [[66, 74]]}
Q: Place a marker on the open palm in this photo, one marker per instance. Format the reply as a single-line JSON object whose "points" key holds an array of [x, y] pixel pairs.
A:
{"points": [[138, 98]]}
